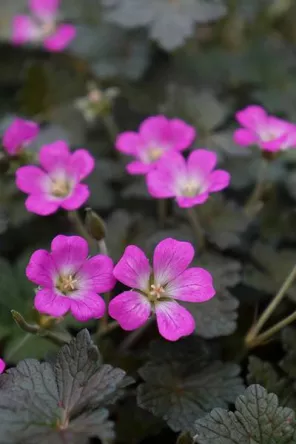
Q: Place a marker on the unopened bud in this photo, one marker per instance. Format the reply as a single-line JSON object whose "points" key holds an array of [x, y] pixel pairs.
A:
{"points": [[23, 324], [95, 225]]}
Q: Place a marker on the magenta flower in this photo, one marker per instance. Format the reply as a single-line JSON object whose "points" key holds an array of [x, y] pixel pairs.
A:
{"points": [[155, 290], [2, 366], [268, 132], [57, 183], [190, 182], [19, 135], [42, 26], [69, 280], [157, 135]]}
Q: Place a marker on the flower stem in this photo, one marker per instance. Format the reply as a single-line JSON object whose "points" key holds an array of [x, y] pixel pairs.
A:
{"points": [[260, 339], [133, 337], [196, 227], [259, 188], [253, 332], [79, 226], [18, 346], [162, 211], [110, 126]]}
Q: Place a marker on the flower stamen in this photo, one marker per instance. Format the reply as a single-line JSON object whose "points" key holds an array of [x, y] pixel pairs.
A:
{"points": [[60, 188], [66, 284], [155, 154], [156, 291], [190, 189]]}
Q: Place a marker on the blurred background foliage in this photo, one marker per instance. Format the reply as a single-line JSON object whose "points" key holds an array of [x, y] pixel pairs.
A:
{"points": [[200, 60]]}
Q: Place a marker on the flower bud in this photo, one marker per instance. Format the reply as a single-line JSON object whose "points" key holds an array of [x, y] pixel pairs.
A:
{"points": [[95, 225]]}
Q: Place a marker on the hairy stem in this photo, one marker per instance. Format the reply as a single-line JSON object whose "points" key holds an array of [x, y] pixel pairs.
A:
{"points": [[134, 336], [259, 188], [75, 220], [162, 211], [263, 337], [253, 332], [196, 227]]}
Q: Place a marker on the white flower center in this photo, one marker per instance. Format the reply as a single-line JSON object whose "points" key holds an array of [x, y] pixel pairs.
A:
{"points": [[48, 28], [66, 284], [60, 187], [155, 292], [190, 189], [155, 154]]}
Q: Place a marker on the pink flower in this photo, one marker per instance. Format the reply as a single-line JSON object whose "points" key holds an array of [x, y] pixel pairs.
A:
{"points": [[57, 183], [157, 289], [42, 26], [157, 135], [69, 280], [18, 135], [2, 366], [268, 132], [190, 182]]}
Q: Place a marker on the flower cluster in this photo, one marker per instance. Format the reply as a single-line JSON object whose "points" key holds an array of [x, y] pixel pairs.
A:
{"points": [[69, 281], [42, 26], [268, 132], [157, 148]]}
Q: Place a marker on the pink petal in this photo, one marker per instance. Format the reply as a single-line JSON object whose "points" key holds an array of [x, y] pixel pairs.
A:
{"points": [[273, 145], [24, 30], [53, 155], [61, 39], [245, 137], [138, 167], [173, 321], [19, 134], [29, 179], [171, 258], [194, 285], [133, 268], [81, 163], [47, 302], [188, 202], [219, 180], [99, 271], [182, 134], [163, 179], [2, 366], [155, 129], [130, 309], [89, 307], [201, 163], [127, 142], [44, 9], [39, 204], [252, 116], [79, 196], [69, 253], [41, 269]]}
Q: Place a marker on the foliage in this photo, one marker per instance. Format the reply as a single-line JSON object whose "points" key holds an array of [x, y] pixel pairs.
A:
{"points": [[196, 60]]}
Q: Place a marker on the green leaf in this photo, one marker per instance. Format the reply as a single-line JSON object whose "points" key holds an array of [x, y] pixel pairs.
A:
{"points": [[258, 419], [270, 268], [112, 51], [225, 221], [170, 23], [216, 317], [182, 382], [263, 373], [59, 402], [134, 424], [288, 363]]}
